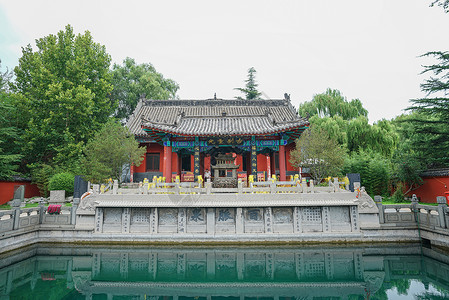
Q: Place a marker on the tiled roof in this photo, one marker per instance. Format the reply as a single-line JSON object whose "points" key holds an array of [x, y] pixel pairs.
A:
{"points": [[215, 117], [435, 173]]}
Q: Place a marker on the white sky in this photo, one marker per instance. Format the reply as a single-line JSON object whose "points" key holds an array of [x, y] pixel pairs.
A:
{"points": [[366, 49]]}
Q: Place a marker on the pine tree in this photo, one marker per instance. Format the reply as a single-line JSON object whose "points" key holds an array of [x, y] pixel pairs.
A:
{"points": [[430, 122], [250, 90]]}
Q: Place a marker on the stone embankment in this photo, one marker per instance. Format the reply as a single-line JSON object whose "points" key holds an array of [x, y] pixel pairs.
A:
{"points": [[269, 212]]}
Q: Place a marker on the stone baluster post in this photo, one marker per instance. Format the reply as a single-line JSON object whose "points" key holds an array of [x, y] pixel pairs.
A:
{"points": [[273, 187], [441, 211], [208, 187], [19, 195], [42, 211], [177, 186], [336, 185], [304, 185], [75, 204], [240, 186], [415, 210], [378, 201], [115, 187], [16, 216]]}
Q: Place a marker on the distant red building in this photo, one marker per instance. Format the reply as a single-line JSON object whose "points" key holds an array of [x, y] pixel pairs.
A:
{"points": [[436, 183], [183, 137]]}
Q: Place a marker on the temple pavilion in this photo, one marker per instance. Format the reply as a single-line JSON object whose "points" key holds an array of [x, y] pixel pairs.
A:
{"points": [[184, 137]]}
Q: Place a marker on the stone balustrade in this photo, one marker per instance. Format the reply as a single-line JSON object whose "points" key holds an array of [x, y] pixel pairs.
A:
{"points": [[414, 214], [279, 211], [28, 218], [270, 187]]}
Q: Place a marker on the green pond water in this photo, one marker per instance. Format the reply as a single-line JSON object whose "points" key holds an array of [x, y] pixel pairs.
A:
{"points": [[402, 271]]}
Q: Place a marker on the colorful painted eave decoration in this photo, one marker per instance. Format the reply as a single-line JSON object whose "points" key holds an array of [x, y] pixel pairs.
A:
{"points": [[158, 134]]}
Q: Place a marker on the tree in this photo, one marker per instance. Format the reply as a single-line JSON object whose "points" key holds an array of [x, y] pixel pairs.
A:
{"points": [[374, 170], [441, 3], [315, 150], [5, 77], [250, 89], [407, 160], [332, 103], [111, 148], [9, 133], [130, 81], [431, 114], [379, 137], [65, 84]]}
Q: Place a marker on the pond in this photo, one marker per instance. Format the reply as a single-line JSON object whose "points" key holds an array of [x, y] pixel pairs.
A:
{"points": [[380, 271]]}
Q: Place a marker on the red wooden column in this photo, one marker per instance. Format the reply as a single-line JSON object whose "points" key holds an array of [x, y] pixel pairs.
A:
{"points": [[167, 163], [131, 173], [282, 163]]}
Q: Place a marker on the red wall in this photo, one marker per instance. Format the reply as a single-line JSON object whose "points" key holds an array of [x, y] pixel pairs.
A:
{"points": [[288, 149], [7, 190], [151, 148], [431, 188]]}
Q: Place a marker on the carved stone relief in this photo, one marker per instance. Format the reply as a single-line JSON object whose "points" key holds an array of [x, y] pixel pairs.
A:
{"points": [[253, 214], [282, 215], [140, 215], [311, 214], [168, 216], [196, 216], [225, 215], [112, 215]]}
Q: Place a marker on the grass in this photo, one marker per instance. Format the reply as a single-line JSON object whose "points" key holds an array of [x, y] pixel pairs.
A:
{"points": [[28, 205], [390, 200], [5, 207]]}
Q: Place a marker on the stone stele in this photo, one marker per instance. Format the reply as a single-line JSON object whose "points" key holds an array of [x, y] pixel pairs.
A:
{"points": [[57, 196]]}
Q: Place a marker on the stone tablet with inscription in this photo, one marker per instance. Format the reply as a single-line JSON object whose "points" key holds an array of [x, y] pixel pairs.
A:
{"points": [[57, 196]]}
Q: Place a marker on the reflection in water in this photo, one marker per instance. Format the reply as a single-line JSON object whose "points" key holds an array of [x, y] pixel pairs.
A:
{"points": [[268, 273]]}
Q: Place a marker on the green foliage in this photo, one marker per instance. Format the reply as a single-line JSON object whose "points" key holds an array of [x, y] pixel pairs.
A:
{"points": [[5, 77], [346, 123], [332, 103], [441, 3], [374, 171], [111, 148], [9, 133], [335, 126], [398, 195], [317, 151], [62, 181], [65, 84], [9, 137], [379, 137], [430, 114], [250, 90], [40, 174], [130, 81]]}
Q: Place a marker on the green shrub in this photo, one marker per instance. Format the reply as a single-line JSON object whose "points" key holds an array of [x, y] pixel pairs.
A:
{"points": [[374, 171], [398, 195], [62, 181], [40, 174]]}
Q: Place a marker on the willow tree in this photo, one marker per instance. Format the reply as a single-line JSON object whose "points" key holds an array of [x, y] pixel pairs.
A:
{"points": [[332, 103]]}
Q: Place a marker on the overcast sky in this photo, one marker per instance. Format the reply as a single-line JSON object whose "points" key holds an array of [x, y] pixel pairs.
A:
{"points": [[366, 49]]}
